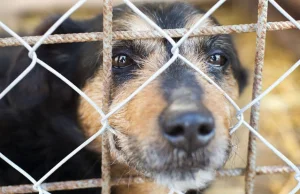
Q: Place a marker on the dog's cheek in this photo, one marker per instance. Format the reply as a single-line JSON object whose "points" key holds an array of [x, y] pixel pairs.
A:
{"points": [[230, 84], [138, 119], [221, 110], [89, 117]]}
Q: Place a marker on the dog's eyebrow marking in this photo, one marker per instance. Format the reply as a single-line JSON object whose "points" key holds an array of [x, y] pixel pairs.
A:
{"points": [[191, 20], [195, 44], [138, 47], [131, 22]]}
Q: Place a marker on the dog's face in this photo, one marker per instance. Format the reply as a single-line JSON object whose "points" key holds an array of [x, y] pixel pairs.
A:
{"points": [[176, 130]]}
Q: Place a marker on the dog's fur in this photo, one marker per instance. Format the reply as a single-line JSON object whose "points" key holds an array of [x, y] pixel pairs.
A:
{"points": [[42, 119]]}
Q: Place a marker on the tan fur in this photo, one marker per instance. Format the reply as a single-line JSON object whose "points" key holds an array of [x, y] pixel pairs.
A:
{"points": [[138, 119], [131, 22], [192, 20], [90, 118], [148, 188], [218, 105]]}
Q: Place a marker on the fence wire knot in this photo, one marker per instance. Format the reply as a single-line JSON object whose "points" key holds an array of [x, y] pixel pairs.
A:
{"points": [[39, 189]]}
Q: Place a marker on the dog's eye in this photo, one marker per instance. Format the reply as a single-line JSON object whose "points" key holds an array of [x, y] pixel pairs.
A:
{"points": [[122, 61], [217, 60]]}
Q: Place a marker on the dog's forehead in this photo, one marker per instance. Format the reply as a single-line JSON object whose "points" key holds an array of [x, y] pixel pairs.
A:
{"points": [[166, 16]]}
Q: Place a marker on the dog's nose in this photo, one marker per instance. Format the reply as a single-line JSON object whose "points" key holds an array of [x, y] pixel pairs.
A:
{"points": [[188, 129]]}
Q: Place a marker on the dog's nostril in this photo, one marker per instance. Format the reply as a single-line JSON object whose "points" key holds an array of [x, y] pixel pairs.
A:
{"points": [[176, 131], [205, 129], [188, 129]]}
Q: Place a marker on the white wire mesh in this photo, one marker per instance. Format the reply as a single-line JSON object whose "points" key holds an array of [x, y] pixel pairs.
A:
{"points": [[176, 55]]}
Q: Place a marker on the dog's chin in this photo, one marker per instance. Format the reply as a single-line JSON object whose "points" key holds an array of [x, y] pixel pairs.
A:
{"points": [[186, 180], [184, 173], [171, 167]]}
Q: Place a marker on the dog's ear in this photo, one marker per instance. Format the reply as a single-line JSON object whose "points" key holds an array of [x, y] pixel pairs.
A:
{"points": [[40, 85]]}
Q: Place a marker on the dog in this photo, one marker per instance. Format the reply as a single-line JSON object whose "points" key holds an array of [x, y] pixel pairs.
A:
{"points": [[175, 131]]}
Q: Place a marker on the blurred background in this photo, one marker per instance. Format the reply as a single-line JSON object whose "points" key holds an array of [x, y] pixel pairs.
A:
{"points": [[279, 121]]}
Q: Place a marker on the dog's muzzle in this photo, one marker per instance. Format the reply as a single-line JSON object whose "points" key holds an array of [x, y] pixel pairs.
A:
{"points": [[187, 125]]}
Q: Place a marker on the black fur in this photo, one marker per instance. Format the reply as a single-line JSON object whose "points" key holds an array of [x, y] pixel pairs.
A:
{"points": [[177, 15], [38, 119]]}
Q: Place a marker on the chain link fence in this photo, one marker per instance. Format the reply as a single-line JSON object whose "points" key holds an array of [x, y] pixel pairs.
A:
{"points": [[261, 27]]}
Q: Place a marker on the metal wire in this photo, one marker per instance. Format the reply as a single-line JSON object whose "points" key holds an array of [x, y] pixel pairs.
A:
{"points": [[107, 36], [131, 35], [257, 86], [96, 183], [107, 67]]}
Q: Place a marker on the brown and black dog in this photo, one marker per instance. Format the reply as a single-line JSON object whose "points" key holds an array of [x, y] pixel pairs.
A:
{"points": [[175, 131]]}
